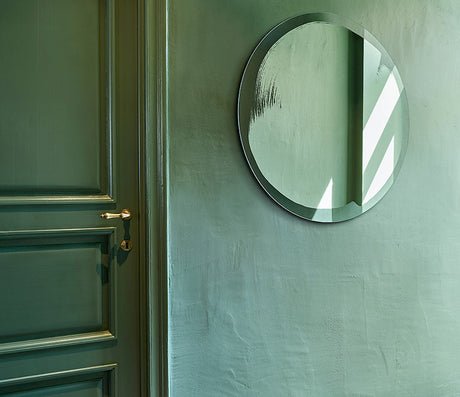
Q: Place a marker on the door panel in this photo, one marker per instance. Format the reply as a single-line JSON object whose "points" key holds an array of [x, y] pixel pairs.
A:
{"points": [[56, 76], [69, 295], [74, 264]]}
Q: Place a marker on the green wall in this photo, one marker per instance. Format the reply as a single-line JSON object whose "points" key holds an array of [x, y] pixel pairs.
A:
{"points": [[262, 303]]}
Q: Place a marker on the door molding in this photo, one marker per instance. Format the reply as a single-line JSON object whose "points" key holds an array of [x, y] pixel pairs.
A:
{"points": [[152, 90], [106, 373]]}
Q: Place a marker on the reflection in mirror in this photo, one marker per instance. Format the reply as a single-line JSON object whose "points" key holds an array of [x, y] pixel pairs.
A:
{"points": [[322, 115]]}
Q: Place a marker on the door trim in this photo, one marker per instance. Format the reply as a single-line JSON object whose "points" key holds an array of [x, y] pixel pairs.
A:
{"points": [[152, 88], [107, 371]]}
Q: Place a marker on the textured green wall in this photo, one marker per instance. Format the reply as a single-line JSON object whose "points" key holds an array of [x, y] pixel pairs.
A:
{"points": [[264, 304]]}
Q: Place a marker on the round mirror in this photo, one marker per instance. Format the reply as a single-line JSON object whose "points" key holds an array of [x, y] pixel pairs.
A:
{"points": [[323, 117]]}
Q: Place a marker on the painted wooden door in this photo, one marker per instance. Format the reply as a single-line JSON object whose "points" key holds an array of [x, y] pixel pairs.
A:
{"points": [[69, 295]]}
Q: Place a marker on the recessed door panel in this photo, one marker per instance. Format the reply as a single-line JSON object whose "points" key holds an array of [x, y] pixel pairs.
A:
{"points": [[55, 283], [54, 82], [92, 388]]}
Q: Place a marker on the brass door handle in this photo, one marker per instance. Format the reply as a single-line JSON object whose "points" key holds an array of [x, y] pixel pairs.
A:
{"points": [[124, 215]]}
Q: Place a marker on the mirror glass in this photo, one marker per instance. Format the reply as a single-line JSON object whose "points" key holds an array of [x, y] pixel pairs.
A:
{"points": [[323, 118]]}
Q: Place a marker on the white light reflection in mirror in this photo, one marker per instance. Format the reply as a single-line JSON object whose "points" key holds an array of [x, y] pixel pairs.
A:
{"points": [[384, 172], [379, 118], [326, 200]]}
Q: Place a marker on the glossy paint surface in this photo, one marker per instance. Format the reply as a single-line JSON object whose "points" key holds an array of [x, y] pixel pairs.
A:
{"points": [[44, 82], [262, 303]]}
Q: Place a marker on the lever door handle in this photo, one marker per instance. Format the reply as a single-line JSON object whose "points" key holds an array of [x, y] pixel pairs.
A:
{"points": [[124, 215]]}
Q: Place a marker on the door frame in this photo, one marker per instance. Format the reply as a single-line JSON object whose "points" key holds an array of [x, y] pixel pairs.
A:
{"points": [[152, 132]]}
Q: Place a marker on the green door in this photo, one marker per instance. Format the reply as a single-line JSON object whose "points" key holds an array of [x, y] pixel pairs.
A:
{"points": [[69, 294]]}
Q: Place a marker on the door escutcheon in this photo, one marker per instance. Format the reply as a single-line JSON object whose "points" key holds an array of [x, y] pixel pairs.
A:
{"points": [[126, 245]]}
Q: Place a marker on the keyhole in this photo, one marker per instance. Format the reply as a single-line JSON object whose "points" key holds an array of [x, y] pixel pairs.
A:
{"points": [[126, 245]]}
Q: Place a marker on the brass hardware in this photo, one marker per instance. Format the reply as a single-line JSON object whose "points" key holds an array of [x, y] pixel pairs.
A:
{"points": [[126, 245], [125, 215]]}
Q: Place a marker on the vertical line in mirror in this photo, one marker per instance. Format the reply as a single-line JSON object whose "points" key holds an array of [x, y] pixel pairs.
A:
{"points": [[355, 117]]}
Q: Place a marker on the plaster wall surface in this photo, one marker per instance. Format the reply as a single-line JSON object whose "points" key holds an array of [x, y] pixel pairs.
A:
{"points": [[262, 303]]}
